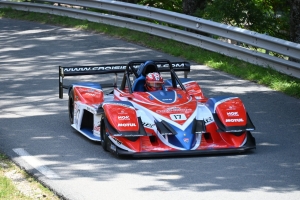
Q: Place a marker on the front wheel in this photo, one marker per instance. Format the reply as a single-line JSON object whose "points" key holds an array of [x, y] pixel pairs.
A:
{"points": [[104, 137]]}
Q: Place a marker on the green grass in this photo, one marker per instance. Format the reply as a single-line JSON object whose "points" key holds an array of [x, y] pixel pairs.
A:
{"points": [[8, 189], [265, 76]]}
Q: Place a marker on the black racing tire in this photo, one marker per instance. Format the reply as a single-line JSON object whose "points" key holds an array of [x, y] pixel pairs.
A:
{"points": [[104, 137], [71, 106]]}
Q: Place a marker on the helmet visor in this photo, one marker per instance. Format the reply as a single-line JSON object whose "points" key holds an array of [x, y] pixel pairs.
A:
{"points": [[155, 84]]}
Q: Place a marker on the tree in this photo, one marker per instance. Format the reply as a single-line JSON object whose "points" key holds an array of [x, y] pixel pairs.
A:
{"points": [[295, 21], [190, 7], [263, 16]]}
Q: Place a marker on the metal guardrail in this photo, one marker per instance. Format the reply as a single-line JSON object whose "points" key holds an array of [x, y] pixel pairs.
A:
{"points": [[183, 22]]}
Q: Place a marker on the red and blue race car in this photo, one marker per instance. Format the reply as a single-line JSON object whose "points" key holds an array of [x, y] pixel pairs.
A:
{"points": [[176, 120]]}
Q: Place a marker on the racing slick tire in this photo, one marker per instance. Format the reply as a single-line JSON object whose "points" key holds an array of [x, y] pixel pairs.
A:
{"points": [[71, 106], [104, 138]]}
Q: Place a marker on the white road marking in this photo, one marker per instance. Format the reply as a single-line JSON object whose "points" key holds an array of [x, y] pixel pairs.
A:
{"points": [[36, 163]]}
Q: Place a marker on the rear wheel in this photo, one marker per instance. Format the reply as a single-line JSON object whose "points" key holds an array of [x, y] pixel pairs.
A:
{"points": [[71, 106], [104, 137]]}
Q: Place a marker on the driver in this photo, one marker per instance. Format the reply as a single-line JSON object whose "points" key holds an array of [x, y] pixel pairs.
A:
{"points": [[154, 82]]}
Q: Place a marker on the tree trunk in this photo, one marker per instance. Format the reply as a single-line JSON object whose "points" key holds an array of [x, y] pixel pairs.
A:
{"points": [[295, 21], [189, 7]]}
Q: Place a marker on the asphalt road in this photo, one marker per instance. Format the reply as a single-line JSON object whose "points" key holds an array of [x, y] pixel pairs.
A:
{"points": [[34, 123]]}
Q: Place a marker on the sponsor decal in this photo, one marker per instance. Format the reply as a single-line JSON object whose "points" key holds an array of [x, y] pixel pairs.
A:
{"points": [[173, 65], [186, 140], [175, 109], [148, 125], [127, 124], [123, 118], [178, 65], [178, 117], [97, 128], [119, 143], [90, 94], [235, 120], [100, 68], [232, 114], [231, 108], [122, 112], [113, 67], [208, 119]]}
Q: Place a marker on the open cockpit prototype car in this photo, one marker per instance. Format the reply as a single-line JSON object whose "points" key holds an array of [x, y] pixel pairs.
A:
{"points": [[176, 120]]}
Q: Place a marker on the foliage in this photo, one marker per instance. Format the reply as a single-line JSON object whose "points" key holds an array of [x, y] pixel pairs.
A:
{"points": [[7, 188], [295, 20], [263, 16], [270, 17], [16, 184], [175, 5]]}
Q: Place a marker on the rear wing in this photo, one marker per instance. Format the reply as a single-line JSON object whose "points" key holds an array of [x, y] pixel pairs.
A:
{"points": [[163, 66]]}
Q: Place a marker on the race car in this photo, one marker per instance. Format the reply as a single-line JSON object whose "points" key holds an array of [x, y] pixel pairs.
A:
{"points": [[176, 119]]}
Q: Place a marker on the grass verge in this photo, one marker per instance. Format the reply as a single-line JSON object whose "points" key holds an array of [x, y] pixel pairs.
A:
{"points": [[265, 76], [16, 184]]}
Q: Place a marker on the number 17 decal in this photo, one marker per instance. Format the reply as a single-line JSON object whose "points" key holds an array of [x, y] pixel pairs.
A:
{"points": [[178, 117]]}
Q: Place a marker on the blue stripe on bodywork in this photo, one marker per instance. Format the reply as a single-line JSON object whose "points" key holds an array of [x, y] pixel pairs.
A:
{"points": [[127, 103], [184, 138], [163, 96], [89, 84], [89, 134]]}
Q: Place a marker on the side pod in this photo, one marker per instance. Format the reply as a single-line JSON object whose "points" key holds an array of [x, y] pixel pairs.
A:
{"points": [[222, 128], [115, 132], [121, 119], [229, 114]]}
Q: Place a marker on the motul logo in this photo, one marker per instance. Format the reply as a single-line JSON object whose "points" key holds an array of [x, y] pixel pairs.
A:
{"points": [[127, 124], [123, 118], [234, 120], [230, 114]]}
